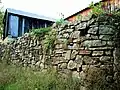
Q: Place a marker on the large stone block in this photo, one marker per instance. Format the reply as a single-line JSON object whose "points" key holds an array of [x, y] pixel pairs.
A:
{"points": [[81, 26], [97, 53], [105, 37], [104, 29], [67, 55], [73, 54], [75, 34], [93, 30], [94, 43]]}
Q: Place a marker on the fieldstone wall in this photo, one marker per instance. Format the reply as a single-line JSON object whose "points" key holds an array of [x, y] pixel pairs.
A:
{"points": [[89, 43]]}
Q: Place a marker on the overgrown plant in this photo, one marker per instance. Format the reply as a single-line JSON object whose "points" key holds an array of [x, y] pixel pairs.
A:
{"points": [[48, 42], [96, 9], [1, 21], [18, 78], [40, 32]]}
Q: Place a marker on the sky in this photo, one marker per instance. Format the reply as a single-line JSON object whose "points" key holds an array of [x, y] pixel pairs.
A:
{"points": [[49, 8]]}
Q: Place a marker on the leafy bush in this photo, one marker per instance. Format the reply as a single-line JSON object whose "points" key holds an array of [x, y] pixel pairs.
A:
{"points": [[14, 78], [96, 9], [40, 32], [48, 42]]}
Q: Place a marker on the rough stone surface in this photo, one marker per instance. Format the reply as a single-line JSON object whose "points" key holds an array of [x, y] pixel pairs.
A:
{"points": [[79, 45], [71, 65]]}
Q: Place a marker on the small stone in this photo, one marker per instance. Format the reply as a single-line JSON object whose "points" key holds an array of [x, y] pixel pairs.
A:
{"points": [[72, 65], [63, 66], [110, 43], [42, 66], [108, 52], [87, 60], [109, 79], [67, 55], [58, 46], [97, 53], [105, 37], [73, 54], [81, 26], [59, 51], [93, 30], [38, 63], [75, 46], [91, 43], [105, 58], [66, 35], [69, 30], [75, 34], [84, 52], [103, 29]]}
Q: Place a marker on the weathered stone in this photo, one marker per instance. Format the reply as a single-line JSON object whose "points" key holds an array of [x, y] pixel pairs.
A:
{"points": [[84, 67], [75, 34], [71, 65], [108, 52], [38, 64], [110, 43], [97, 53], [93, 43], [66, 35], [75, 46], [84, 52], [93, 37], [63, 66], [105, 37], [105, 58], [93, 30], [78, 60], [81, 26], [58, 46], [87, 60], [67, 55], [105, 30], [69, 30], [109, 79], [42, 66], [73, 54], [101, 48], [59, 51]]}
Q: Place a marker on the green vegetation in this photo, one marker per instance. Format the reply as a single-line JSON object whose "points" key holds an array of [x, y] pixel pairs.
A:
{"points": [[1, 21], [48, 42], [40, 32], [96, 9], [13, 78]]}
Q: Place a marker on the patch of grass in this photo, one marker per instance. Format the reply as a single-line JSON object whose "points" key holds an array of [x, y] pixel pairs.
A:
{"points": [[13, 78]]}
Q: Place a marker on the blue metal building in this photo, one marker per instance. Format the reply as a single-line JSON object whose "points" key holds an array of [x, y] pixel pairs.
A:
{"points": [[17, 22]]}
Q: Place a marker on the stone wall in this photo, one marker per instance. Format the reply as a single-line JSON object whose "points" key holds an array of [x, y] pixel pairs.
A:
{"points": [[79, 45]]}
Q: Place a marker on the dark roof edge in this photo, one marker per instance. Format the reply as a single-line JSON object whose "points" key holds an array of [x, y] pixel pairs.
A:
{"points": [[83, 10], [28, 14]]}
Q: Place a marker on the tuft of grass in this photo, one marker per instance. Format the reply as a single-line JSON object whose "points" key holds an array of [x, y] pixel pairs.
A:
{"points": [[18, 78]]}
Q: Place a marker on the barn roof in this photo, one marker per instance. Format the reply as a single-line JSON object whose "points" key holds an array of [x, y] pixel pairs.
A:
{"points": [[32, 15]]}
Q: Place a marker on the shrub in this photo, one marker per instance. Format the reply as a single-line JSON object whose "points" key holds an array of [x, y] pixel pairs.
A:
{"points": [[40, 32], [48, 42]]}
